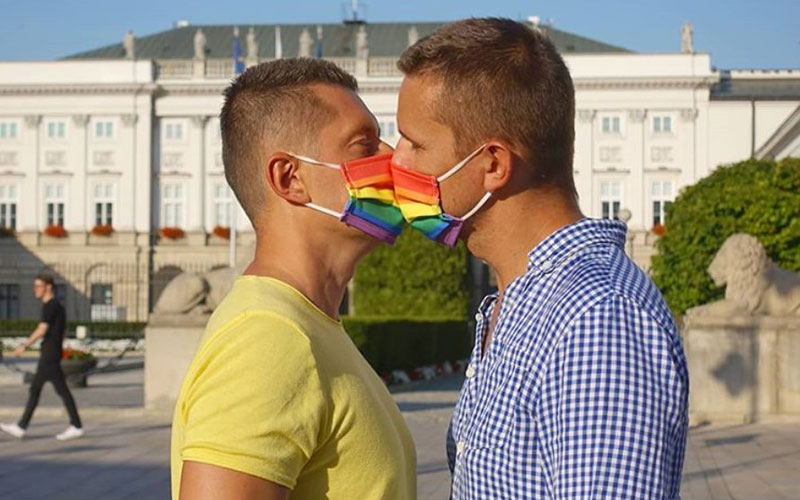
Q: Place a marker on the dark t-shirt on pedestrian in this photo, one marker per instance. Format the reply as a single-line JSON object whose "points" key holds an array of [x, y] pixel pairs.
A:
{"points": [[55, 316]]}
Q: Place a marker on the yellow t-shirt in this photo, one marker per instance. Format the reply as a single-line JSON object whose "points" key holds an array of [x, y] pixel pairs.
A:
{"points": [[277, 390]]}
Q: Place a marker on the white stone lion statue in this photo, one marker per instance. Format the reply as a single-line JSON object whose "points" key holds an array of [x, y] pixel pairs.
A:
{"points": [[755, 284], [193, 293]]}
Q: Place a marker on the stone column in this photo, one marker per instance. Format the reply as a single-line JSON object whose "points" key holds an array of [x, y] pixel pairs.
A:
{"points": [[31, 190], [79, 196], [635, 192], [126, 195], [199, 123], [584, 159], [688, 132]]}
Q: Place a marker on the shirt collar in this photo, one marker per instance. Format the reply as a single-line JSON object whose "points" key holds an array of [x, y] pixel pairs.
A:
{"points": [[554, 249]]}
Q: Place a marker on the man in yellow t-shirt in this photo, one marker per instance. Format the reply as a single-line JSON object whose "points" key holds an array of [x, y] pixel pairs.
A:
{"points": [[278, 402]]}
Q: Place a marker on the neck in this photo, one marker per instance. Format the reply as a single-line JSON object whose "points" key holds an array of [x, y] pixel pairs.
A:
{"points": [[500, 239], [47, 297], [319, 264]]}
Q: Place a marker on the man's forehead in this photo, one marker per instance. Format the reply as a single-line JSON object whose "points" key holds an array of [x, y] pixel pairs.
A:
{"points": [[351, 114], [421, 91], [335, 96]]}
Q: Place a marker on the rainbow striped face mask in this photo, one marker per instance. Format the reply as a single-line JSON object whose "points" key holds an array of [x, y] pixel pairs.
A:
{"points": [[371, 208], [420, 202]]}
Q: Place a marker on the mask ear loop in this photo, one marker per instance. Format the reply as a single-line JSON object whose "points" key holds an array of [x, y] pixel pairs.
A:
{"points": [[478, 206], [333, 166], [306, 159], [458, 166]]}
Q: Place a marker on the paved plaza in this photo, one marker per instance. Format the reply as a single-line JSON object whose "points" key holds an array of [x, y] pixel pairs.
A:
{"points": [[125, 454]]}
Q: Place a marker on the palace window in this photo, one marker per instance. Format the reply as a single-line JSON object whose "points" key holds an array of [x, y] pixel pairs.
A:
{"points": [[8, 207], [172, 205], [104, 204], [610, 199], [661, 192], [54, 197], [8, 130]]}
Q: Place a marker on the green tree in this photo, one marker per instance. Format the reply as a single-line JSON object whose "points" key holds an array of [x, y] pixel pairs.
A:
{"points": [[414, 278], [761, 198]]}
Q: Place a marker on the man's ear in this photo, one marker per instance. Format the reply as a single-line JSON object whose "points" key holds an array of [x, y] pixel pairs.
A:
{"points": [[499, 165], [283, 178]]}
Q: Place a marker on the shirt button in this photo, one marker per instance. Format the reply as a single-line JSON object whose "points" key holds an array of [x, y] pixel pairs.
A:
{"points": [[470, 371], [478, 317], [546, 265], [460, 447]]}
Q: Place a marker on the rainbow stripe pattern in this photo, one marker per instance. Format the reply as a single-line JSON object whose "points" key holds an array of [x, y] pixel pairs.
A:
{"points": [[372, 207], [417, 195]]}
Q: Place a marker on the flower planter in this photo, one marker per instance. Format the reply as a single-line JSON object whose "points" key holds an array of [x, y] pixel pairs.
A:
{"points": [[76, 370], [102, 230], [222, 232], [172, 233], [55, 231]]}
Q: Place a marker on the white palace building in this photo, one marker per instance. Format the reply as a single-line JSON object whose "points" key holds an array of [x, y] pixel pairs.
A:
{"points": [[110, 160]]}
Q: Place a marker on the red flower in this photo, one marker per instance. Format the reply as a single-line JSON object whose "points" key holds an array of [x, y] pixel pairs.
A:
{"points": [[222, 232], [69, 353], [659, 229], [172, 233], [102, 230], [55, 231]]}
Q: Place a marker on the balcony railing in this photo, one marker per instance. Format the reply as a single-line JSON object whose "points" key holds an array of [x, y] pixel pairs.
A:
{"points": [[383, 66], [183, 69], [174, 69]]}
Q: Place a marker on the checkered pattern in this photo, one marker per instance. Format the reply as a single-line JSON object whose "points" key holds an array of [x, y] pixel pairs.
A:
{"points": [[583, 391]]}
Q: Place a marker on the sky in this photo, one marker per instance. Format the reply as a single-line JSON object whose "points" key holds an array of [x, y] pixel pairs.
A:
{"points": [[737, 33]]}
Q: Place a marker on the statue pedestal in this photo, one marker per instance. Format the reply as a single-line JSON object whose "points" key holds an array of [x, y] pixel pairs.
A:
{"points": [[171, 340], [742, 369]]}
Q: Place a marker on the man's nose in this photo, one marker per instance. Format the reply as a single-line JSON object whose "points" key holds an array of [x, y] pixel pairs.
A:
{"points": [[402, 154], [384, 148]]}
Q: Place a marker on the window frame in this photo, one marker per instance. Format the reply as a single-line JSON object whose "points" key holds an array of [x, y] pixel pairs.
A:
{"points": [[6, 126], [664, 201], [9, 200], [222, 201], [178, 201], [59, 202], [610, 204], [106, 201], [63, 131], [108, 129]]}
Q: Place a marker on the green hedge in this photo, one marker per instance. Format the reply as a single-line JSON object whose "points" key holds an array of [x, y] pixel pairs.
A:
{"points": [[97, 330], [398, 343], [414, 278], [761, 198]]}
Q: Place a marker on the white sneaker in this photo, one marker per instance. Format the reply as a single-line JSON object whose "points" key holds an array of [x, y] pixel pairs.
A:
{"points": [[72, 432], [13, 429]]}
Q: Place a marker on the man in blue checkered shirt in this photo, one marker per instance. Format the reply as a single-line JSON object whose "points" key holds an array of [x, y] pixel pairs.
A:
{"points": [[577, 387]]}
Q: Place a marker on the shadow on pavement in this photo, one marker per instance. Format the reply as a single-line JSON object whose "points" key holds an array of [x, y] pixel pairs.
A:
{"points": [[79, 481]]}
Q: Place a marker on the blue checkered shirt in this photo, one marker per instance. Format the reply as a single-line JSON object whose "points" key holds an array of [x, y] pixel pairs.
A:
{"points": [[583, 390]]}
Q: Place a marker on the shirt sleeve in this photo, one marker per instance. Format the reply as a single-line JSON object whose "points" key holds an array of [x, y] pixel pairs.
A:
{"points": [[254, 403], [48, 311], [613, 411]]}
